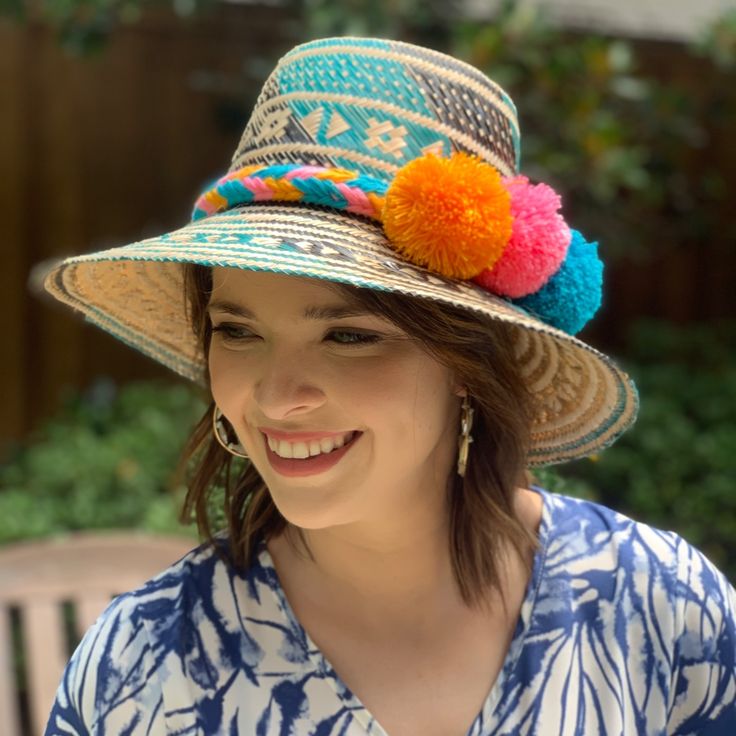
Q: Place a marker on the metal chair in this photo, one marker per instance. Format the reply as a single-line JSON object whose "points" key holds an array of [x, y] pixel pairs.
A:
{"points": [[45, 587]]}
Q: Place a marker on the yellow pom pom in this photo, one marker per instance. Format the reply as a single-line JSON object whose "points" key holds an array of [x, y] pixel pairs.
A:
{"points": [[451, 215]]}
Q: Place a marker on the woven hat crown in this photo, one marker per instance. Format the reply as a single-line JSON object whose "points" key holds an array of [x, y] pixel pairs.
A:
{"points": [[372, 106]]}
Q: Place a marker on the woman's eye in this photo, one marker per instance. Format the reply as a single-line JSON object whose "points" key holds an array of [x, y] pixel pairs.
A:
{"points": [[233, 332], [350, 337]]}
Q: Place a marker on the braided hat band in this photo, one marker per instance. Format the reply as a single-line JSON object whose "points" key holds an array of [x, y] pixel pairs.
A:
{"points": [[389, 167], [506, 233]]}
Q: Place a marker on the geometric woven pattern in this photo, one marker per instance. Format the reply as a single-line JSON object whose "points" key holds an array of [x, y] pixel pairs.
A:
{"points": [[373, 105]]}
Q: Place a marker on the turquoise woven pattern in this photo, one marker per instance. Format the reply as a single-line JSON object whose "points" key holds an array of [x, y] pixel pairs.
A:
{"points": [[372, 106]]}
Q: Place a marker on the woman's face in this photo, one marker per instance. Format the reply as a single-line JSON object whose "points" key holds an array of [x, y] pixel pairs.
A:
{"points": [[345, 417]]}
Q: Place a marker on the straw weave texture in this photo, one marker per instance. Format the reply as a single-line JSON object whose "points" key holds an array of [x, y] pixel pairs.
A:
{"points": [[136, 293], [369, 106]]}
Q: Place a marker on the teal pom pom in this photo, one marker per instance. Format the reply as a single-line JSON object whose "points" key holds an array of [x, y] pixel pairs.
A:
{"points": [[573, 295]]}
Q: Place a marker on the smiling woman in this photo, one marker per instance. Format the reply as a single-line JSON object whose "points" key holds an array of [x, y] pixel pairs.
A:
{"points": [[385, 365], [384, 313]]}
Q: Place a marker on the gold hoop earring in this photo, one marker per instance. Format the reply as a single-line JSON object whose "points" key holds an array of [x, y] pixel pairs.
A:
{"points": [[466, 424], [221, 434]]}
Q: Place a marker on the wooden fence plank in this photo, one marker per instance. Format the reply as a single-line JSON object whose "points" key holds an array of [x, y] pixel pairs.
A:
{"points": [[14, 418]]}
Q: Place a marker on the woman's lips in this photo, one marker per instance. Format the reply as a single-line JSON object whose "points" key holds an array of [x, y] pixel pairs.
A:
{"points": [[296, 467]]}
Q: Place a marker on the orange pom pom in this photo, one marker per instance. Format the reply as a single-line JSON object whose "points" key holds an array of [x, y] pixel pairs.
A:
{"points": [[451, 215]]}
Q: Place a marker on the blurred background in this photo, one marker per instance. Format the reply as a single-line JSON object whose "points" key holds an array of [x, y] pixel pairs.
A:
{"points": [[116, 113]]}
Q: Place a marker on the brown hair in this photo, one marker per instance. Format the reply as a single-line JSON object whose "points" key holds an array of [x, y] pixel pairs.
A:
{"points": [[483, 521]]}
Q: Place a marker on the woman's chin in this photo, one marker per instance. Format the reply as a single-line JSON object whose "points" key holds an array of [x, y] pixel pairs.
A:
{"points": [[309, 507]]}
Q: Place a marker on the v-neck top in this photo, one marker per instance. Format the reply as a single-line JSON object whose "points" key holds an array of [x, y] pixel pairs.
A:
{"points": [[624, 629]]}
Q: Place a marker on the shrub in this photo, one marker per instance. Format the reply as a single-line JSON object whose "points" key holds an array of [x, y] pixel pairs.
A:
{"points": [[107, 460]]}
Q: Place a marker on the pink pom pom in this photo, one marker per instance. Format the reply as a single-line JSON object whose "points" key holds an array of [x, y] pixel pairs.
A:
{"points": [[538, 244]]}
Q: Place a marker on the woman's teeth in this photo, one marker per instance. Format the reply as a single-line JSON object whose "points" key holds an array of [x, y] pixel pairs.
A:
{"points": [[303, 450]]}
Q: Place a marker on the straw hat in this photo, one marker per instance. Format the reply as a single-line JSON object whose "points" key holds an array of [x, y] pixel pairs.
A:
{"points": [[392, 167]]}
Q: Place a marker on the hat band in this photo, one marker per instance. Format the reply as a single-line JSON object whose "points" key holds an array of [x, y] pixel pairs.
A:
{"points": [[517, 246], [319, 185]]}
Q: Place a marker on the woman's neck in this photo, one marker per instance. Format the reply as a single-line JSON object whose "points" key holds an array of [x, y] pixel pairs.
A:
{"points": [[401, 568], [396, 564], [407, 565]]}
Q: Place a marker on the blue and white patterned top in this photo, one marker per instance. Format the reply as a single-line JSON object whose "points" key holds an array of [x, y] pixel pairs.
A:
{"points": [[624, 629]]}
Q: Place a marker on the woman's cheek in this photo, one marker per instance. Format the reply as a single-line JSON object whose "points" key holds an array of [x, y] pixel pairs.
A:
{"points": [[229, 378], [375, 382]]}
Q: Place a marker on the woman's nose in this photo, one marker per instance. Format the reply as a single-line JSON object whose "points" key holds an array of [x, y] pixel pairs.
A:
{"points": [[286, 388]]}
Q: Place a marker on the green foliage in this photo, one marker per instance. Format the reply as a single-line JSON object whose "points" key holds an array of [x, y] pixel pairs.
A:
{"points": [[719, 42], [424, 22], [85, 26], [12, 8], [551, 479], [676, 469], [107, 460], [615, 141]]}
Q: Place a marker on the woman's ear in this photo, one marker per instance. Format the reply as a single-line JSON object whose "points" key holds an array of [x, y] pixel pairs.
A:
{"points": [[461, 391]]}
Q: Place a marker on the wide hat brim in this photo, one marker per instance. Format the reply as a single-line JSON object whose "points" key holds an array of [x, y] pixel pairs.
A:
{"points": [[584, 400]]}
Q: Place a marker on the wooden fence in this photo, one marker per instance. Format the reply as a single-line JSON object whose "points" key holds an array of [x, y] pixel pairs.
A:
{"points": [[101, 151]]}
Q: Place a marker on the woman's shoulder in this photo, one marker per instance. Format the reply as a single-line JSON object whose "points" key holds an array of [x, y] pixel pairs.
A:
{"points": [[654, 602], [647, 575], [585, 533], [149, 641], [110, 671], [170, 592], [206, 572]]}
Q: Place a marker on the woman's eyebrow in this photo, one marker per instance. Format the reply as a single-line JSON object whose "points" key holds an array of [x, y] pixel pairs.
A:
{"points": [[327, 311], [237, 310], [320, 312]]}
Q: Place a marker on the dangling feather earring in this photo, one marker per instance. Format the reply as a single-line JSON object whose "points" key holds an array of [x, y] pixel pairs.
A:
{"points": [[466, 423]]}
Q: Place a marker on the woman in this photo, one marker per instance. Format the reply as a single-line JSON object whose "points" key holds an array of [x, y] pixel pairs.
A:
{"points": [[384, 313]]}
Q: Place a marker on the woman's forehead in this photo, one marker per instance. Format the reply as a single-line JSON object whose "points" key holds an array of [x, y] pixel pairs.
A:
{"points": [[261, 288], [234, 281]]}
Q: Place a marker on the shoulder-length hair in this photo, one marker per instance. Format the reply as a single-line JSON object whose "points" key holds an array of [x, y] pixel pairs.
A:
{"points": [[482, 518]]}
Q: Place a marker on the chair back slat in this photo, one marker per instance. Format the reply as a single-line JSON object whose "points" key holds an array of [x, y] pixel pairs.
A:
{"points": [[9, 722], [89, 608], [38, 578], [46, 655]]}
